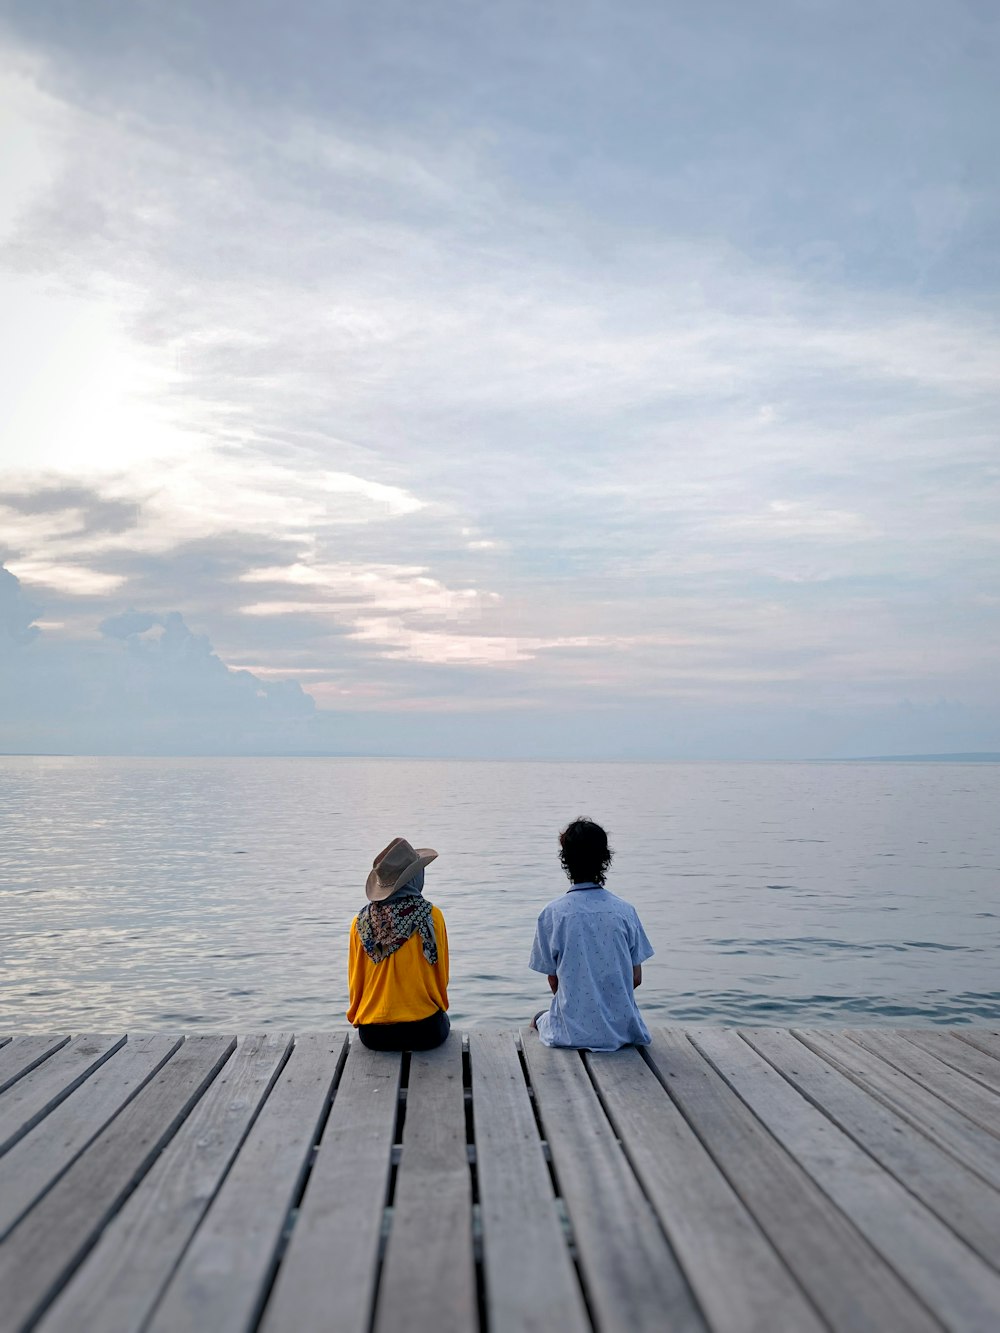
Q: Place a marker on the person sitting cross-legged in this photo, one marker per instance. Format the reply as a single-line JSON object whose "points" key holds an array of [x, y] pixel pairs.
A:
{"points": [[590, 944], [398, 957]]}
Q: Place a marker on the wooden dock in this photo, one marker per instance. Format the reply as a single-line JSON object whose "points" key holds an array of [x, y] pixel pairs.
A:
{"points": [[751, 1181]]}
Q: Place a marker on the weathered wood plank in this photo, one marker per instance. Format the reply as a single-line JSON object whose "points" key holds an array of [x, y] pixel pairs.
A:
{"points": [[962, 1290], [955, 1110], [634, 1282], [22, 1054], [522, 1231], [4, 1041], [327, 1276], [968, 1060], [37, 1160], [118, 1284], [31, 1097], [428, 1276], [852, 1286], [985, 1041], [957, 1195], [225, 1273], [44, 1248], [867, 1064], [738, 1279], [103, 1206]]}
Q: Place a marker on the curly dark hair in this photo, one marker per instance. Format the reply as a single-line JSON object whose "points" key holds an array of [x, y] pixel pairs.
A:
{"points": [[584, 851]]}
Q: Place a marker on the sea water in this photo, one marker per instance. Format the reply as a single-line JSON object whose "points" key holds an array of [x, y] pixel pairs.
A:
{"points": [[149, 894]]}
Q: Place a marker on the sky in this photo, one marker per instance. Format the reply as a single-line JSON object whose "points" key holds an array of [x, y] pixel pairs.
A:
{"points": [[579, 379]]}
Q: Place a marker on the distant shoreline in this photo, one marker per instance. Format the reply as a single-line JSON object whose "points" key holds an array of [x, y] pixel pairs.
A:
{"points": [[966, 757], [970, 757]]}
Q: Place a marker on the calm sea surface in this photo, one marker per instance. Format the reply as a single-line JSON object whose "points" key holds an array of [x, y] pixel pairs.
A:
{"points": [[217, 893]]}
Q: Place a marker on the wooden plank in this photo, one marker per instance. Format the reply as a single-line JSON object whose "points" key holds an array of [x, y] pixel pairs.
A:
{"points": [[522, 1230], [962, 1290], [985, 1041], [4, 1041], [119, 1282], [43, 1249], [31, 1097], [959, 1197], [953, 1108], [739, 1281], [852, 1286], [22, 1054], [969, 1060], [327, 1276], [867, 1064], [428, 1276], [632, 1279], [34, 1163], [223, 1278]]}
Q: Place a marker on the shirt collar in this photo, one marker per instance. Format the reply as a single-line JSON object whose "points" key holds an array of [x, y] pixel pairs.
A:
{"points": [[587, 884]]}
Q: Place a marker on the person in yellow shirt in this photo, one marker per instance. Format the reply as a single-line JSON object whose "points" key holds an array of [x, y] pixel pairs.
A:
{"points": [[397, 966]]}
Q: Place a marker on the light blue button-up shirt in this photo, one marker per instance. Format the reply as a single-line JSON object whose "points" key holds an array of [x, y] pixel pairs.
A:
{"points": [[590, 939]]}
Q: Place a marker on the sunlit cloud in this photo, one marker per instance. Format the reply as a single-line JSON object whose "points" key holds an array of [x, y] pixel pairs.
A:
{"points": [[348, 587], [394, 639], [76, 580]]}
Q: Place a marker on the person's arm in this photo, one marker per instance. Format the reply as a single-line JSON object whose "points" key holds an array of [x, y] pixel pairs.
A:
{"points": [[442, 965], [355, 973], [640, 948], [544, 958]]}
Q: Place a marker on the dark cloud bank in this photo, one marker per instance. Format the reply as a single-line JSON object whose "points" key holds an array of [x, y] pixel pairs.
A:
{"points": [[143, 683]]}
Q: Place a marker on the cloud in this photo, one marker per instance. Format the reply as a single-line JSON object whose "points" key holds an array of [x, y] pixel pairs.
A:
{"points": [[438, 366], [17, 613], [352, 587], [145, 682], [76, 580], [91, 511]]}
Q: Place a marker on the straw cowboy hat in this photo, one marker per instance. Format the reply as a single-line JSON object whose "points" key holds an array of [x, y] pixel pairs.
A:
{"points": [[393, 866]]}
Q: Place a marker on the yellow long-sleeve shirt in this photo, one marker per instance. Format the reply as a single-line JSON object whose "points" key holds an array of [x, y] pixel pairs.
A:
{"points": [[402, 988]]}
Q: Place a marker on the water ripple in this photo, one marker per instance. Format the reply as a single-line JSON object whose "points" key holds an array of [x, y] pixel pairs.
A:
{"points": [[814, 946], [156, 894]]}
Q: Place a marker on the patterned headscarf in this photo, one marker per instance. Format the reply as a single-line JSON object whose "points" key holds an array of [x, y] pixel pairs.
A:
{"points": [[384, 927]]}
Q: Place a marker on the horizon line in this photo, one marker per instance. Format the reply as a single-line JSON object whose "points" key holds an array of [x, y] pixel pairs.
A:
{"points": [[967, 756]]}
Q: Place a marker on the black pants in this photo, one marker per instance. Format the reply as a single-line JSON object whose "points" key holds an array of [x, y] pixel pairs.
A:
{"points": [[423, 1035]]}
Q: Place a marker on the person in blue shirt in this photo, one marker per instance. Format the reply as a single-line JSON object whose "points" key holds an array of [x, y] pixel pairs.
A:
{"points": [[591, 946]]}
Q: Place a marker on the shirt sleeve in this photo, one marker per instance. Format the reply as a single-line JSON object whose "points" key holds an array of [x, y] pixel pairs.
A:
{"points": [[441, 935], [543, 956], [355, 972], [639, 945]]}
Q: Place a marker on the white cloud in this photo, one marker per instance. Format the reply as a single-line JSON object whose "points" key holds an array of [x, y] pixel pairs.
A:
{"points": [[392, 499], [350, 588], [76, 580], [26, 157], [394, 639], [82, 397]]}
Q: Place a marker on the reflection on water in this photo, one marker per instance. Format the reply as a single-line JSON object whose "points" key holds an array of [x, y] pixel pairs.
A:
{"points": [[217, 893]]}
